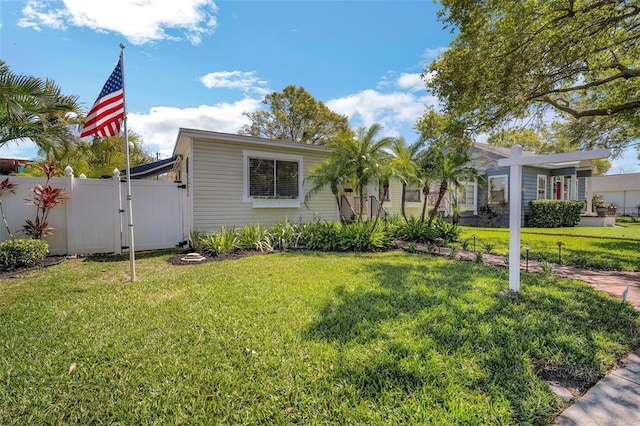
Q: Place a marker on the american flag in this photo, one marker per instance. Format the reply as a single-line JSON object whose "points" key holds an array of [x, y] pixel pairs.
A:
{"points": [[107, 113]]}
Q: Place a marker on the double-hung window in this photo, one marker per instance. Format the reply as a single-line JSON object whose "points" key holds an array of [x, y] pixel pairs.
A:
{"points": [[270, 176], [542, 187], [467, 196], [498, 189]]}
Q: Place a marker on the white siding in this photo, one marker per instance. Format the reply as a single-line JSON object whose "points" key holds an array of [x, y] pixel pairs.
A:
{"points": [[218, 182]]}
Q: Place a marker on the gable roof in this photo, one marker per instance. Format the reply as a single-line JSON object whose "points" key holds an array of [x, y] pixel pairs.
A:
{"points": [[185, 134]]}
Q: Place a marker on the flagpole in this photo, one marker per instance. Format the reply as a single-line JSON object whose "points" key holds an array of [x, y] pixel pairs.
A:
{"points": [[132, 255]]}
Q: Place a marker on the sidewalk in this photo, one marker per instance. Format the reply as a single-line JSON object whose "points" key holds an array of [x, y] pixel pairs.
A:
{"points": [[614, 400]]}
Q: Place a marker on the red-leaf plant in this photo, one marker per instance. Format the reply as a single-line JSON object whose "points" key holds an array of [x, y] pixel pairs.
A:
{"points": [[6, 187], [44, 198]]}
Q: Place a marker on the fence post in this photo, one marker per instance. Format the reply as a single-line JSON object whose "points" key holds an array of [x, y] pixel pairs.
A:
{"points": [[69, 183], [117, 202]]}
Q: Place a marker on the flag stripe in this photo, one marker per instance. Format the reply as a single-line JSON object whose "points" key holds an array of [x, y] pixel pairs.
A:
{"points": [[107, 113]]}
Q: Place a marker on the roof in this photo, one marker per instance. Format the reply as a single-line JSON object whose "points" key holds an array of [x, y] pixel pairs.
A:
{"points": [[185, 134], [153, 169]]}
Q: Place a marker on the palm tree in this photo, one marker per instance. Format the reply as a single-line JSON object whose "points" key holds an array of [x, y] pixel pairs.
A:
{"points": [[404, 165], [100, 156], [35, 109], [331, 174], [452, 170], [362, 157]]}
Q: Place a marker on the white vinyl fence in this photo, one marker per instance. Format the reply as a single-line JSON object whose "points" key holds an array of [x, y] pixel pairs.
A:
{"points": [[94, 218]]}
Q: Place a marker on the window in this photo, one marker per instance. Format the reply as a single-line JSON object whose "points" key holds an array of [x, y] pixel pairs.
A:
{"points": [[498, 189], [467, 196], [270, 176], [412, 193], [273, 178], [542, 187]]}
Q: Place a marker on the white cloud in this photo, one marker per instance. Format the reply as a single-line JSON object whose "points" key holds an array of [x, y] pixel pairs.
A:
{"points": [[412, 82], [24, 149], [245, 81], [392, 110], [140, 21], [431, 54], [159, 127]]}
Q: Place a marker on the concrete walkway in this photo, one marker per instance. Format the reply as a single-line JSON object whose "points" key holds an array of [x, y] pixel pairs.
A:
{"points": [[614, 400]]}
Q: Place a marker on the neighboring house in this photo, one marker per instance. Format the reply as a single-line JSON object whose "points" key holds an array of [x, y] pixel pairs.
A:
{"points": [[488, 203], [623, 190], [235, 180], [12, 165]]}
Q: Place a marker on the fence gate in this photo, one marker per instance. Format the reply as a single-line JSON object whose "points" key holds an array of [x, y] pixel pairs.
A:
{"points": [[158, 214]]}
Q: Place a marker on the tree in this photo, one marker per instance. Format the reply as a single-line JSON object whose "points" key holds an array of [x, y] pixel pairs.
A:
{"points": [[362, 157], [35, 109], [99, 156], [453, 170], [296, 116], [517, 59], [403, 165], [331, 173], [447, 157]]}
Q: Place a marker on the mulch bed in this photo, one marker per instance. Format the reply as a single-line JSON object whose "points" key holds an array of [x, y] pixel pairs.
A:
{"points": [[44, 263]]}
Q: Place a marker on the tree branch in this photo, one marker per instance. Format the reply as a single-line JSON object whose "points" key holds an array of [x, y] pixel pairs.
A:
{"points": [[629, 106]]}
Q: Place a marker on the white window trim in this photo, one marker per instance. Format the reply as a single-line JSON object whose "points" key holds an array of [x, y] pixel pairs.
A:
{"points": [[546, 187], [506, 186], [257, 202]]}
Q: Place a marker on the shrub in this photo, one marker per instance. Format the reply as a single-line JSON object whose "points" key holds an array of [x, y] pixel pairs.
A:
{"points": [[447, 231], [44, 198], [323, 236], [223, 241], [416, 230], [15, 254], [554, 213], [284, 235], [253, 237], [364, 236]]}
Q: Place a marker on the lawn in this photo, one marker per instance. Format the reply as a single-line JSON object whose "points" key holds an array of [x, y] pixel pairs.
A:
{"points": [[599, 248], [301, 337]]}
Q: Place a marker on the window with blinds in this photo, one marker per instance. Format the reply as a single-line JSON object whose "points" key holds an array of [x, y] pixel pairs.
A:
{"points": [[273, 178]]}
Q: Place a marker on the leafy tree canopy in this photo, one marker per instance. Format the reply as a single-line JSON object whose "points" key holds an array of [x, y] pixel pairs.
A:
{"points": [[35, 109], [99, 156], [517, 59], [296, 116]]}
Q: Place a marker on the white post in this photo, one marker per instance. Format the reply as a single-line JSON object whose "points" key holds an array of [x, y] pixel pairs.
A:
{"points": [[587, 184], [70, 220], [117, 201], [132, 256], [515, 217]]}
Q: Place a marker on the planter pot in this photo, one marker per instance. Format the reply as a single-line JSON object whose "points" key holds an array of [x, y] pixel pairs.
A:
{"points": [[601, 211]]}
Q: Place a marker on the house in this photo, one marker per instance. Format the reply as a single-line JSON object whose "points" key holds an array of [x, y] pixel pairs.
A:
{"points": [[623, 190], [235, 180], [487, 204], [12, 165]]}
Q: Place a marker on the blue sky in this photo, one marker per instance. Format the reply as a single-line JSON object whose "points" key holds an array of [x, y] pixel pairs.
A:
{"points": [[201, 64]]}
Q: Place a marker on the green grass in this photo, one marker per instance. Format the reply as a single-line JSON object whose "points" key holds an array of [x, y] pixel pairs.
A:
{"points": [[310, 338], [600, 248]]}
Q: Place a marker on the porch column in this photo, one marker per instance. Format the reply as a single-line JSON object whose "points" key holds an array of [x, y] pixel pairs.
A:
{"points": [[587, 184]]}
